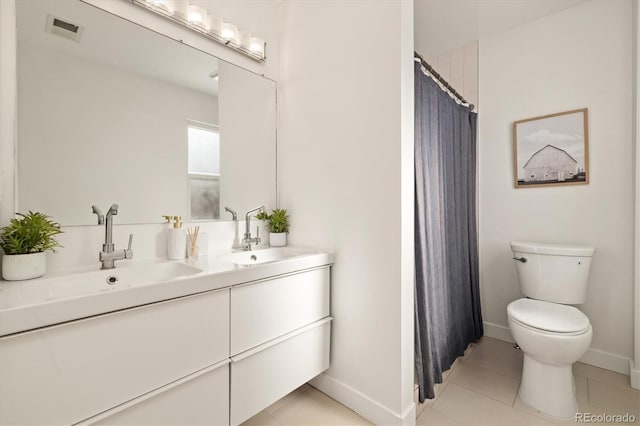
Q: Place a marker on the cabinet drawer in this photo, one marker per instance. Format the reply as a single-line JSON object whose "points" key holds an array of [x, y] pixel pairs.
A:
{"points": [[262, 375], [70, 372], [268, 309], [199, 399]]}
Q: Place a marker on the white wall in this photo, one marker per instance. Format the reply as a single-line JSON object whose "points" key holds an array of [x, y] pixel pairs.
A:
{"points": [[580, 57], [345, 170], [441, 25]]}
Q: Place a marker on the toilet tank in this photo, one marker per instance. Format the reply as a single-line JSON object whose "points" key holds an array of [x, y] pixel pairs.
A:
{"points": [[557, 273]]}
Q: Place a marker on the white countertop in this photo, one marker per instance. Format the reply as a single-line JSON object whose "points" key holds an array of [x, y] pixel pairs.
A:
{"points": [[62, 297]]}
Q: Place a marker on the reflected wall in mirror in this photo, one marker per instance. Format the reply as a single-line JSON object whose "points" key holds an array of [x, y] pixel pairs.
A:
{"points": [[125, 115]]}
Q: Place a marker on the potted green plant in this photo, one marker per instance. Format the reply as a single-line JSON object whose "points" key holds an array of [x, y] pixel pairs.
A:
{"points": [[24, 242], [278, 227]]}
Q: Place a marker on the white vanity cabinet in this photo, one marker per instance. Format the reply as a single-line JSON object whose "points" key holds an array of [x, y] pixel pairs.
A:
{"points": [[69, 372], [266, 309], [280, 332], [199, 399], [213, 358]]}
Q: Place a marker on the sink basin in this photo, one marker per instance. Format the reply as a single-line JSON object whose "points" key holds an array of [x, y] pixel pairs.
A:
{"points": [[82, 284], [256, 257], [153, 272]]}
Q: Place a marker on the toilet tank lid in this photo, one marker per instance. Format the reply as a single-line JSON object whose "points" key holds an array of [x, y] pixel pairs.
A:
{"points": [[553, 249], [548, 316]]}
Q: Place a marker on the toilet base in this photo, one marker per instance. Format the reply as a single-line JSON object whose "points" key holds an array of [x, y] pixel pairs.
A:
{"points": [[548, 388]]}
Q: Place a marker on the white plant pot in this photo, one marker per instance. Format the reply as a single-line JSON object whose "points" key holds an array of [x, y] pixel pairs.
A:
{"points": [[23, 266], [278, 239]]}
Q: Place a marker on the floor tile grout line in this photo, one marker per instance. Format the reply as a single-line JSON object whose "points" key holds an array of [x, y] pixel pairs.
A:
{"points": [[533, 412], [515, 397], [519, 410], [482, 394], [280, 422], [624, 388], [489, 396], [294, 396], [493, 370], [445, 384], [445, 415]]}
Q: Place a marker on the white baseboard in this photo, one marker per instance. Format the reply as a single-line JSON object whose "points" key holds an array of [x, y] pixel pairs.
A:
{"points": [[362, 404], [499, 332], [634, 375], [606, 360], [593, 357]]}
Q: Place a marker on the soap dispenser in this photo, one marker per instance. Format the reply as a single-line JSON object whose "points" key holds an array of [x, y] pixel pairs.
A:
{"points": [[177, 239]]}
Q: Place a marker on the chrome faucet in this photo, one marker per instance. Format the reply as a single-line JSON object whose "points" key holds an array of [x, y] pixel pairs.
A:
{"points": [[234, 215], [247, 240], [109, 255]]}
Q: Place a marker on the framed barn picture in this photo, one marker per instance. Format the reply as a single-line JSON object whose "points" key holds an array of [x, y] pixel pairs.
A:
{"points": [[551, 150]]}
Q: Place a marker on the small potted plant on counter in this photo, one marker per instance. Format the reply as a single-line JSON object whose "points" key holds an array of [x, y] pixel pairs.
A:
{"points": [[278, 227], [24, 242]]}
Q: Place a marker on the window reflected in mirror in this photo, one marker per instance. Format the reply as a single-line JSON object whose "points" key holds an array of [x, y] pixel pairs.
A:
{"points": [[204, 171]]}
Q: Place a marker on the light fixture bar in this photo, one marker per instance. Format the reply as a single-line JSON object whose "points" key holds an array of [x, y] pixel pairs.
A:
{"points": [[255, 49]]}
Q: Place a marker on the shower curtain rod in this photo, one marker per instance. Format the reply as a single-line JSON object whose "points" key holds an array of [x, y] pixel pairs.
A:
{"points": [[442, 81]]}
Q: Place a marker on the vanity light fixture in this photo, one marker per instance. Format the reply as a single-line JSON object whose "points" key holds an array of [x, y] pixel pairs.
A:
{"points": [[211, 26]]}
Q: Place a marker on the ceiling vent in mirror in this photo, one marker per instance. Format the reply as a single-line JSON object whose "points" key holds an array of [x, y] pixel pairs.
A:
{"points": [[63, 28]]}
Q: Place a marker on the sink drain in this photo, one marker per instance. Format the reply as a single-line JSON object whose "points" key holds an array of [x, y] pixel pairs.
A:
{"points": [[254, 257], [112, 279]]}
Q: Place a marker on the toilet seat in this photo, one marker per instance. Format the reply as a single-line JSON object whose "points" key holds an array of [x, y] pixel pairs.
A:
{"points": [[552, 318]]}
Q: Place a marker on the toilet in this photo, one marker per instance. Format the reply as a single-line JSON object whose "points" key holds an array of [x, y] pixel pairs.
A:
{"points": [[551, 334]]}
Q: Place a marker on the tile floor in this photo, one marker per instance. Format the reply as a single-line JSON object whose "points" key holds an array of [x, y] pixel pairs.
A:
{"points": [[480, 389]]}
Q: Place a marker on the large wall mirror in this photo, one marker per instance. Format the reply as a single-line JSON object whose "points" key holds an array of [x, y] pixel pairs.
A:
{"points": [[111, 112]]}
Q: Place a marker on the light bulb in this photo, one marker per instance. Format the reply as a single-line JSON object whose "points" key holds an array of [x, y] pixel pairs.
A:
{"points": [[214, 24], [244, 39], [165, 5], [197, 16], [229, 32], [257, 46], [180, 8]]}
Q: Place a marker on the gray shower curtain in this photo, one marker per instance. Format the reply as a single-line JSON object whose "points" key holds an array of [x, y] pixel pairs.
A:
{"points": [[447, 299]]}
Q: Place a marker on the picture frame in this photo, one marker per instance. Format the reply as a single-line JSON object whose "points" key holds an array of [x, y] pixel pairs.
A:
{"points": [[551, 150]]}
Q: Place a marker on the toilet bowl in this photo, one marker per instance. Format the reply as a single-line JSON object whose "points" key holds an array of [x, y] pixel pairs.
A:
{"points": [[552, 337], [551, 333]]}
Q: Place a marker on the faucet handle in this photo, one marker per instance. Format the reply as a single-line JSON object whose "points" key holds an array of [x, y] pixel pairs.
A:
{"points": [[234, 215], [128, 253], [98, 213]]}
